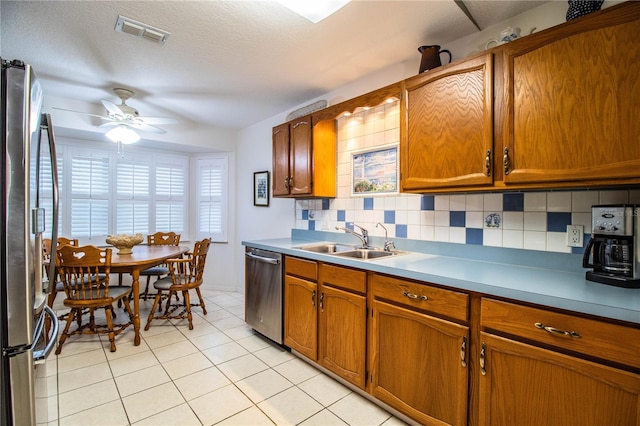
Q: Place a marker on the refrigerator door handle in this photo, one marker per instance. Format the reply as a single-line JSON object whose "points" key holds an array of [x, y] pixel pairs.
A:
{"points": [[47, 124], [37, 332], [40, 356]]}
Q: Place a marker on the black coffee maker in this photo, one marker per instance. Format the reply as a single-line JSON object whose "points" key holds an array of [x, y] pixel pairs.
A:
{"points": [[612, 251]]}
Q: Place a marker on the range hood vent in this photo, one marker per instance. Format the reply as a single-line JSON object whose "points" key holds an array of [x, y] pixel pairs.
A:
{"points": [[138, 29]]}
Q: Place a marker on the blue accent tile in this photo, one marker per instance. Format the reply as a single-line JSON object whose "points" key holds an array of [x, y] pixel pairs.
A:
{"points": [[428, 202], [349, 225], [341, 216], [401, 231], [368, 203], [513, 202], [474, 236], [312, 225], [389, 216], [326, 203], [457, 219], [305, 214], [557, 222]]}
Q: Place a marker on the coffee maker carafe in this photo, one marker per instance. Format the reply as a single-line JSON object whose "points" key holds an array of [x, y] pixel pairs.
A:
{"points": [[612, 251]]}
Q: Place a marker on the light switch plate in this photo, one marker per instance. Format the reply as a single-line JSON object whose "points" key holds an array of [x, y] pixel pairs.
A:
{"points": [[575, 235]]}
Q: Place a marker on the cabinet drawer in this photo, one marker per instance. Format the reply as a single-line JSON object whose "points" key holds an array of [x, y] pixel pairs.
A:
{"points": [[301, 268], [348, 279], [422, 296], [600, 339]]}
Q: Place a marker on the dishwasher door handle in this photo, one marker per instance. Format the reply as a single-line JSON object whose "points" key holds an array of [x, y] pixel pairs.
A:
{"points": [[263, 259]]}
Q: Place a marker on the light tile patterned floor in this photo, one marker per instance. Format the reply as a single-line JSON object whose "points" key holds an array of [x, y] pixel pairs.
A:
{"points": [[220, 372]]}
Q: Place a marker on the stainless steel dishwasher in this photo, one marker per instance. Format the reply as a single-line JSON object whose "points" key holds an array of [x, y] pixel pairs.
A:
{"points": [[263, 307]]}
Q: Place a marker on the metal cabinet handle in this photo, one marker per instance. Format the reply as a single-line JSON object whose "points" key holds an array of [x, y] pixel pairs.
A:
{"points": [[413, 296], [322, 302], [554, 330], [313, 299], [291, 182], [300, 123], [506, 161], [483, 354], [463, 352], [286, 182], [487, 163]]}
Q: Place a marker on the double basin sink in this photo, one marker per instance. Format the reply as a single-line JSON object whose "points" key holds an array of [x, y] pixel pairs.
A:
{"points": [[349, 251]]}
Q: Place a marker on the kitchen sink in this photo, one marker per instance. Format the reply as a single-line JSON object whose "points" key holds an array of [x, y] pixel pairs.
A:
{"points": [[328, 248], [369, 254]]}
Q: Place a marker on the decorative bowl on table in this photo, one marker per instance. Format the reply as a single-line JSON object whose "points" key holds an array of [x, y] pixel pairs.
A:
{"points": [[124, 242]]}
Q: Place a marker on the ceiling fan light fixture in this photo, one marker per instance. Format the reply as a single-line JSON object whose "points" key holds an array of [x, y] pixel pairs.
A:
{"points": [[122, 134], [314, 10]]}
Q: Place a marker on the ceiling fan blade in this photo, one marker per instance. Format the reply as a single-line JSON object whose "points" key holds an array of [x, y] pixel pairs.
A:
{"points": [[158, 120], [146, 128], [112, 108], [82, 113], [110, 124]]}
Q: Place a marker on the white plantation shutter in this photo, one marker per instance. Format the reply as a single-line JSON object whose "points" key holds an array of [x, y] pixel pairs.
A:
{"points": [[212, 198], [132, 183], [170, 198], [90, 196], [102, 194]]}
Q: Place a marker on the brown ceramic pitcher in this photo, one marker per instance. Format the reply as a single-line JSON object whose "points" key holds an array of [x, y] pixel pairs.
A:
{"points": [[431, 57]]}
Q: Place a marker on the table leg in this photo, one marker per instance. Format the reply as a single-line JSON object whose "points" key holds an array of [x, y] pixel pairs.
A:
{"points": [[135, 276]]}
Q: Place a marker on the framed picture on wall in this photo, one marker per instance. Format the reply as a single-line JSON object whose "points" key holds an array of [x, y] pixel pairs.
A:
{"points": [[375, 171], [261, 189]]}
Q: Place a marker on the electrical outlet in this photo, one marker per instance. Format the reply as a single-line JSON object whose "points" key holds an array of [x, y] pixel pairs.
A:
{"points": [[575, 235]]}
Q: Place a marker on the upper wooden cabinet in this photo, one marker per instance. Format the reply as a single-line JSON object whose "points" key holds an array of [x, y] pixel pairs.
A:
{"points": [[571, 109], [299, 146], [447, 127]]}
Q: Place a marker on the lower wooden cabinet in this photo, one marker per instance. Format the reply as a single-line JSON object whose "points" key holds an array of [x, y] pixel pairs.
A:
{"points": [[343, 334], [521, 384], [419, 364], [300, 301], [407, 343]]}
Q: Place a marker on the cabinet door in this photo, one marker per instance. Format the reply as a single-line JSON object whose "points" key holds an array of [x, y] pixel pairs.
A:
{"points": [[300, 323], [300, 156], [448, 136], [526, 385], [572, 103], [342, 334], [280, 173], [418, 364]]}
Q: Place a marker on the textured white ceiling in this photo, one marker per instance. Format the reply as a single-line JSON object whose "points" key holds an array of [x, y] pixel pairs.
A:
{"points": [[226, 64]]}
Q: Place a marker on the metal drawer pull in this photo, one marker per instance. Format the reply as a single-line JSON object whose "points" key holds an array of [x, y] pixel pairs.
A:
{"points": [[463, 352], [553, 330], [414, 296]]}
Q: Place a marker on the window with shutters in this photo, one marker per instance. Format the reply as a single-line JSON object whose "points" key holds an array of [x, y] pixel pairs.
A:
{"points": [[90, 188], [212, 181], [132, 183], [103, 194]]}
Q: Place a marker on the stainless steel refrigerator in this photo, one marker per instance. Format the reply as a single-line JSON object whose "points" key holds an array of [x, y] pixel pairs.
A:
{"points": [[28, 327]]}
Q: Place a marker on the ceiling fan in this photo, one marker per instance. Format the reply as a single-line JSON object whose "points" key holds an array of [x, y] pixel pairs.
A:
{"points": [[125, 118]]}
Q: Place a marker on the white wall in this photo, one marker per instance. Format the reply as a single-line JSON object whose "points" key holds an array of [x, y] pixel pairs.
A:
{"points": [[254, 143]]}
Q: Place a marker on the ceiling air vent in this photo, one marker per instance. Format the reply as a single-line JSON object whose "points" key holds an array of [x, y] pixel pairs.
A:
{"points": [[138, 29]]}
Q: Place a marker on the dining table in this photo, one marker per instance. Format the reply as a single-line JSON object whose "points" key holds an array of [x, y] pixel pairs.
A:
{"points": [[141, 258]]}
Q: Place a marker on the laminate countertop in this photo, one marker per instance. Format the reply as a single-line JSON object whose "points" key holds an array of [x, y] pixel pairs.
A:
{"points": [[547, 284]]}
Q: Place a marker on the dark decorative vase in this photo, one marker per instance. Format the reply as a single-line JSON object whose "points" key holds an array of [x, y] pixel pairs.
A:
{"points": [[578, 8]]}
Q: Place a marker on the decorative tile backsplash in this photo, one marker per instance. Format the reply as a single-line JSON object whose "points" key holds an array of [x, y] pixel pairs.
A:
{"points": [[520, 220]]}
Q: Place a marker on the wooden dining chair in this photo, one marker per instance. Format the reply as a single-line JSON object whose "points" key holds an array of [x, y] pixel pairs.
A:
{"points": [[46, 254], [184, 275], [162, 270], [85, 276]]}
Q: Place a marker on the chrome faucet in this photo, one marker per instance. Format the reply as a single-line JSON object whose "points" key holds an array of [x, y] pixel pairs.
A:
{"points": [[364, 237], [388, 244]]}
